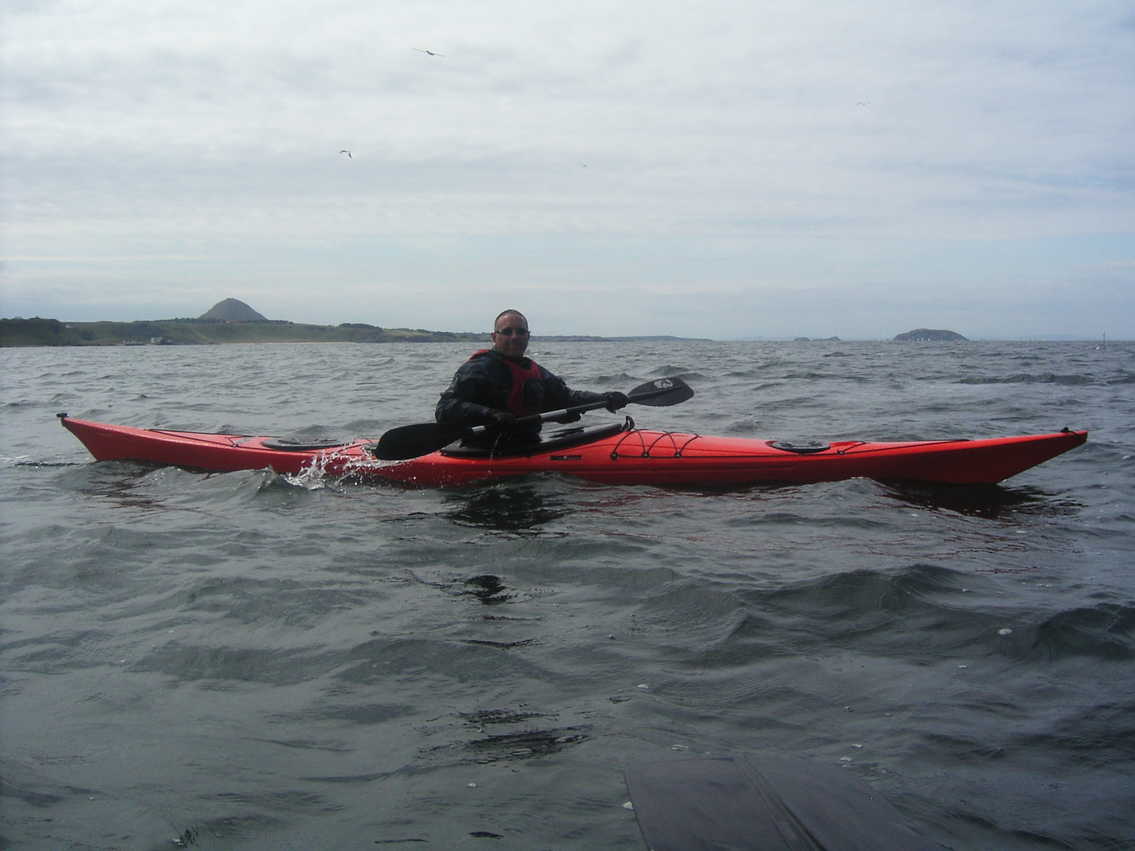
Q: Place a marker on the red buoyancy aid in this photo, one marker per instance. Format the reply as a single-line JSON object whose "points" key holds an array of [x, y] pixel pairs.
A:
{"points": [[521, 375]]}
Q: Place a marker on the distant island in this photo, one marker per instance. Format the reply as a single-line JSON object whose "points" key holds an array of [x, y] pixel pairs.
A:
{"points": [[233, 321], [929, 335]]}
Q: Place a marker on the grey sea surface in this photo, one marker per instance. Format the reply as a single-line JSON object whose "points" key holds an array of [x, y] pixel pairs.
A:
{"points": [[253, 661]]}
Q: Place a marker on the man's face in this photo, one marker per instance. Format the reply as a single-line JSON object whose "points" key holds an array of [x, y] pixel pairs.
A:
{"points": [[510, 336]]}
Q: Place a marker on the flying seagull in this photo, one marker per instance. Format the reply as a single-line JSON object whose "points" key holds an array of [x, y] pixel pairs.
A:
{"points": [[430, 52], [348, 153]]}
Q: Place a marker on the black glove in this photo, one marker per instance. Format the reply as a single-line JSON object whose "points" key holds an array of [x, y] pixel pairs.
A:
{"points": [[504, 419], [615, 400]]}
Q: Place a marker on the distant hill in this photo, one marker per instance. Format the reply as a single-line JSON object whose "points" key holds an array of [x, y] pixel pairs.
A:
{"points": [[924, 335], [232, 310]]}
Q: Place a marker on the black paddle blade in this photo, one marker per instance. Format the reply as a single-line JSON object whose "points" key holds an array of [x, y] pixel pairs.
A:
{"points": [[416, 440], [661, 392]]}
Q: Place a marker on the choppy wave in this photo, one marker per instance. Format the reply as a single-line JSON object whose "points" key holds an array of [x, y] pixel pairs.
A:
{"points": [[1029, 378]]}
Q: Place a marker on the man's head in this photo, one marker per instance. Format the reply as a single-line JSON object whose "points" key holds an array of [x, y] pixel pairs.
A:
{"points": [[510, 333]]}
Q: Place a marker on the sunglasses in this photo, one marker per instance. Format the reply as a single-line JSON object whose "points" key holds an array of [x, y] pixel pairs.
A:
{"points": [[508, 332]]}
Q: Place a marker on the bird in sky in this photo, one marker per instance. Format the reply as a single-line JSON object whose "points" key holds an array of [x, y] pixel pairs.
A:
{"points": [[348, 153], [430, 52]]}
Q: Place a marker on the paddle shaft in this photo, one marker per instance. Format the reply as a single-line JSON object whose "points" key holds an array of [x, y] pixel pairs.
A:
{"points": [[546, 416]]}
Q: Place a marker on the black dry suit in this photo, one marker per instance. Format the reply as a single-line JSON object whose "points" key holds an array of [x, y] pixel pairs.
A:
{"points": [[489, 382]]}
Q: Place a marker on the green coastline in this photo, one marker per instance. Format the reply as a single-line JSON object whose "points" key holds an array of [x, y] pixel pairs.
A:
{"points": [[183, 332]]}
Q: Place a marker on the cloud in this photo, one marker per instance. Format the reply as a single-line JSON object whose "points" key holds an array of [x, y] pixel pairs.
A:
{"points": [[716, 154]]}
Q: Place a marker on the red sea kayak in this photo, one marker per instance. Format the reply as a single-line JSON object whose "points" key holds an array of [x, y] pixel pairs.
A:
{"points": [[615, 453]]}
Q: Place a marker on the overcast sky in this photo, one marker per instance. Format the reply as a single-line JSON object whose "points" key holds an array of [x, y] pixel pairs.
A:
{"points": [[718, 169]]}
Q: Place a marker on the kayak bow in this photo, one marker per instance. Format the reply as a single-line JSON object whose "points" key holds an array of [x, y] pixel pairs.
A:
{"points": [[612, 453]]}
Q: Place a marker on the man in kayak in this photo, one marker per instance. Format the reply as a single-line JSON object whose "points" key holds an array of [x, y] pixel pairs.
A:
{"points": [[499, 385]]}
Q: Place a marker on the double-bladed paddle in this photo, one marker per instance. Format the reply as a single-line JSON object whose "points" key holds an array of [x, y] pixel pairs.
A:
{"points": [[413, 441]]}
